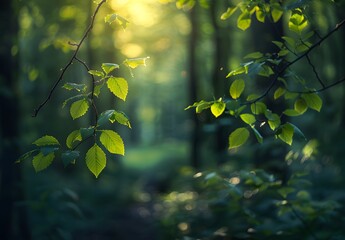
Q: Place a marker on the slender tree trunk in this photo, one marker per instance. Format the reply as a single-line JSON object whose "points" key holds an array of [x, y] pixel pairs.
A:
{"points": [[10, 174]]}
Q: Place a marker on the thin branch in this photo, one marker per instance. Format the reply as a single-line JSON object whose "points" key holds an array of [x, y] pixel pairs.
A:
{"points": [[282, 70], [321, 89], [92, 98], [314, 70], [69, 63]]}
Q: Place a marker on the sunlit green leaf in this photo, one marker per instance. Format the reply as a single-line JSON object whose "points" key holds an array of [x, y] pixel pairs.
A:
{"points": [[237, 88], [69, 157], [112, 142], [279, 92], [260, 15], [46, 141], [217, 108], [244, 20], [79, 108], [290, 95], [95, 160], [110, 18], [97, 73], [238, 137], [291, 113], [273, 120], [240, 70], [109, 67], [300, 105], [313, 101], [200, 106], [276, 11], [75, 86], [121, 118], [297, 22], [135, 62], [258, 108], [73, 137], [41, 161], [118, 86], [228, 13], [248, 118], [286, 133]]}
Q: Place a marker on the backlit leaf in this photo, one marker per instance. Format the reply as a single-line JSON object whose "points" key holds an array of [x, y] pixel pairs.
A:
{"points": [[291, 113], [41, 161], [258, 108], [244, 21], [46, 141], [73, 137], [286, 133], [97, 73], [104, 117], [248, 118], [112, 142], [254, 55], [95, 160], [136, 62], [218, 108], [110, 18], [300, 105], [237, 88], [75, 86], [228, 13], [276, 12], [279, 92], [121, 118], [79, 108], [313, 101], [108, 67], [118, 86], [238, 137]]}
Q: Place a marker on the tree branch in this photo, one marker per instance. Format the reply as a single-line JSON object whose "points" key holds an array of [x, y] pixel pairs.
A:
{"points": [[73, 57], [289, 64]]}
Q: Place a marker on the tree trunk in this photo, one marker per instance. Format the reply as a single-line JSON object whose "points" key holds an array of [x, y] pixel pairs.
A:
{"points": [[9, 120]]}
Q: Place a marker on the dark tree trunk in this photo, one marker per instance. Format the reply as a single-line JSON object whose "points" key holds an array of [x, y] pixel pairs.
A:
{"points": [[10, 176]]}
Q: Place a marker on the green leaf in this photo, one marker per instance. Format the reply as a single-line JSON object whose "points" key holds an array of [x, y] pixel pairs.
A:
{"points": [[284, 191], [105, 117], [97, 89], [218, 108], [41, 161], [118, 86], [79, 108], [290, 95], [75, 86], [286, 133], [200, 106], [238, 137], [48, 150], [279, 92], [136, 62], [240, 70], [313, 101], [300, 105], [260, 15], [276, 11], [258, 135], [110, 18], [46, 141], [244, 21], [97, 73], [266, 71], [248, 118], [26, 155], [258, 108], [86, 132], [74, 98], [228, 13], [121, 118], [69, 157], [237, 88], [273, 120], [73, 137], [290, 41], [95, 160], [112, 142], [298, 131], [254, 55], [297, 22], [291, 113], [109, 67]]}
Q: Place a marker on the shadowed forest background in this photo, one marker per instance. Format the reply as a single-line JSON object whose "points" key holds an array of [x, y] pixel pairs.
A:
{"points": [[171, 182]]}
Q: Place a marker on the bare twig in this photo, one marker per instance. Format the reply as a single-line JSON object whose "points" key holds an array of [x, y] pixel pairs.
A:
{"points": [[289, 64], [73, 57]]}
